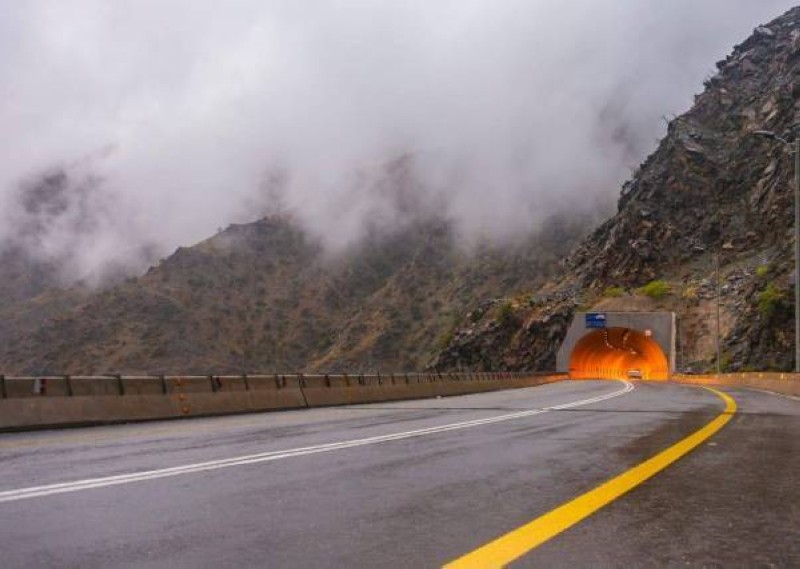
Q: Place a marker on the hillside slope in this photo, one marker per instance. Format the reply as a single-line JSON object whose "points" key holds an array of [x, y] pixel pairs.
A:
{"points": [[265, 297], [712, 189]]}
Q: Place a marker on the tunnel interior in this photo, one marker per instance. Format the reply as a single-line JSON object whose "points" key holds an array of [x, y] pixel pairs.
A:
{"points": [[618, 353]]}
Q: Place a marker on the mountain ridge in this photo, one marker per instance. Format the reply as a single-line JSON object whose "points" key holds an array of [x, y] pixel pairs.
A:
{"points": [[265, 296], [711, 190]]}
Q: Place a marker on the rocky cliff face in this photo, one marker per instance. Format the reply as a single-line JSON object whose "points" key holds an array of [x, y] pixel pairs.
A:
{"points": [[712, 189], [264, 297]]}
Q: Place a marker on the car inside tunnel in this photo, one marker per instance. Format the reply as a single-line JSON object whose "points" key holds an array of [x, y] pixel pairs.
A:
{"points": [[618, 353]]}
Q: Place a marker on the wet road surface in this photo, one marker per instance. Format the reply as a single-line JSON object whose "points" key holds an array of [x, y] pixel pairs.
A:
{"points": [[411, 484]]}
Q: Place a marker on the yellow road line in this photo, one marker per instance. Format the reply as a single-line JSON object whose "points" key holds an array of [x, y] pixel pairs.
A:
{"points": [[520, 541]]}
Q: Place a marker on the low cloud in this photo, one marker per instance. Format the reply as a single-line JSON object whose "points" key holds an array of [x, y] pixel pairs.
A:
{"points": [[190, 114]]}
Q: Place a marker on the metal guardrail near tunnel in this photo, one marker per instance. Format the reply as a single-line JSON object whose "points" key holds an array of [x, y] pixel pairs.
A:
{"points": [[58, 400], [65, 385], [784, 383]]}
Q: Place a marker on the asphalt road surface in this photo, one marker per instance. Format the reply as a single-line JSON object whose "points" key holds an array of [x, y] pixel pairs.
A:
{"points": [[412, 484]]}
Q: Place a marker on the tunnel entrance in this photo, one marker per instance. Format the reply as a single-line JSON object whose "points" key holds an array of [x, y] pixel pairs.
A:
{"points": [[618, 345], [618, 353]]}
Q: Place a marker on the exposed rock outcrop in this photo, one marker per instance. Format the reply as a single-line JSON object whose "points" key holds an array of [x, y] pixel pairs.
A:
{"points": [[713, 187]]}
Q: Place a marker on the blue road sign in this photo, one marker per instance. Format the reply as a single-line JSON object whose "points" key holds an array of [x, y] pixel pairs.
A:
{"points": [[595, 320]]}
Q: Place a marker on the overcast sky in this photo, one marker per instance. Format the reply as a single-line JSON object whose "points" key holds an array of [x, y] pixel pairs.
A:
{"points": [[189, 113]]}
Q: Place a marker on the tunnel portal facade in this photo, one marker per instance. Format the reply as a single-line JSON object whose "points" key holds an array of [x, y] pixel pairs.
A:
{"points": [[619, 345]]}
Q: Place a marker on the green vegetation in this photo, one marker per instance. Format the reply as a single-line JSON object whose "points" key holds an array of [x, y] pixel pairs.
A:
{"points": [[585, 302], [725, 362], [614, 292], [769, 300], [656, 289], [446, 338], [450, 332], [762, 271], [505, 315]]}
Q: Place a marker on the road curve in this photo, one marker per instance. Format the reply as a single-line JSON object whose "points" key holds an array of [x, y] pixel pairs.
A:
{"points": [[411, 484]]}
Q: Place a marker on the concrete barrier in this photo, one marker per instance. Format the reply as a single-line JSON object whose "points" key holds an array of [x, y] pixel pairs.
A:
{"points": [[28, 402], [327, 390], [330, 390], [97, 386], [26, 413], [23, 387], [785, 383], [145, 385]]}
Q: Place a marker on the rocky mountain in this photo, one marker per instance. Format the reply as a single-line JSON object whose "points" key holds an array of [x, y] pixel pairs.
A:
{"points": [[714, 190], [266, 297], [23, 277]]}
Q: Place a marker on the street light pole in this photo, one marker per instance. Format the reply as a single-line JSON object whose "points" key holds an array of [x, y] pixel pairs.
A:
{"points": [[797, 254], [719, 292]]}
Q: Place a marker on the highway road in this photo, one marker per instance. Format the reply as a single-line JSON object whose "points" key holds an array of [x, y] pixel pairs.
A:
{"points": [[415, 484]]}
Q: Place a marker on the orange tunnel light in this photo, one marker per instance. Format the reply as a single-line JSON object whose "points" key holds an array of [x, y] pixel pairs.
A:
{"points": [[618, 353]]}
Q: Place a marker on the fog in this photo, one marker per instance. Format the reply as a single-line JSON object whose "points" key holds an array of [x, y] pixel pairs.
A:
{"points": [[174, 118]]}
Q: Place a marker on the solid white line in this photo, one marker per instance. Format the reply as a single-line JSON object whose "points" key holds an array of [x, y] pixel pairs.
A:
{"points": [[62, 488], [782, 395]]}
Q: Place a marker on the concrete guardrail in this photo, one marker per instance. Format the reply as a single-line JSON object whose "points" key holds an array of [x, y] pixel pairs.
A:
{"points": [[785, 383], [55, 401]]}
